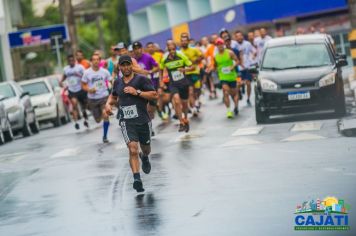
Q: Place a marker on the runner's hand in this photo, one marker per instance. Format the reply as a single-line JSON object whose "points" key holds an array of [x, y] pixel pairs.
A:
{"points": [[92, 90], [130, 90], [181, 70], [108, 110]]}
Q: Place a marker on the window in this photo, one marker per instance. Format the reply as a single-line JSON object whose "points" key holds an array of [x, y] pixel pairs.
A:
{"points": [[7, 91], [37, 88]]}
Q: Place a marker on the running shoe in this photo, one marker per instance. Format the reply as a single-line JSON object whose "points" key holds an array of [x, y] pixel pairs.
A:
{"points": [[138, 186], [181, 127], [76, 126], [175, 117], [248, 102], [229, 114], [236, 111], [153, 133], [105, 140], [187, 126], [165, 116], [146, 165], [86, 124]]}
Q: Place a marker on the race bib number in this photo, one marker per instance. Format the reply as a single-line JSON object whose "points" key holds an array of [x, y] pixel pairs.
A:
{"points": [[72, 81], [156, 75], [226, 70], [99, 85], [177, 75], [130, 112]]}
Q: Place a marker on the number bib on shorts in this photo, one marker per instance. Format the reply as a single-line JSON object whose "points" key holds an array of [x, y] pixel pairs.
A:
{"points": [[129, 112], [177, 75], [226, 70]]}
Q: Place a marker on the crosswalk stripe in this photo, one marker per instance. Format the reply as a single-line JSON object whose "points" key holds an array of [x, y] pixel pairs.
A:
{"points": [[248, 131], [306, 126], [240, 142], [65, 153], [303, 137]]}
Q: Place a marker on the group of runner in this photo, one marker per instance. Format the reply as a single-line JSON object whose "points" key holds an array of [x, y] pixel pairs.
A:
{"points": [[142, 80]]}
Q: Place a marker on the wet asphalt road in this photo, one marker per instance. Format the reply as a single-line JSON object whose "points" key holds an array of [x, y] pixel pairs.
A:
{"points": [[226, 177]]}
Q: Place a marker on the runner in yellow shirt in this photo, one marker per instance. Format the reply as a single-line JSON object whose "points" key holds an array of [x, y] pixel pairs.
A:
{"points": [[195, 56]]}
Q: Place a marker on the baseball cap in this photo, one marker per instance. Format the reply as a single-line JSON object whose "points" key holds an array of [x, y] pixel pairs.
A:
{"points": [[125, 58], [223, 30], [120, 45], [137, 44], [226, 37], [219, 41]]}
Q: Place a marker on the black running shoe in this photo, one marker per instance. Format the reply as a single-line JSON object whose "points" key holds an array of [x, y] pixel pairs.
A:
{"points": [[153, 133], [248, 102], [236, 111], [86, 124], [76, 126], [105, 140], [138, 186], [175, 117], [187, 127], [181, 127], [146, 165]]}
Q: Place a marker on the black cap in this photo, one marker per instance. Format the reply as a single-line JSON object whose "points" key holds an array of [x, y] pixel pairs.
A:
{"points": [[223, 30], [125, 58], [137, 44]]}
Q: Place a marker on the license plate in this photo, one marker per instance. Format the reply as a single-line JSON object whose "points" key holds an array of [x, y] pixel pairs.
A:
{"points": [[298, 96]]}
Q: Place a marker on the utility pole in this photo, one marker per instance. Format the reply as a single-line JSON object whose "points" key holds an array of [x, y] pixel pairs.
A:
{"points": [[98, 20], [69, 19]]}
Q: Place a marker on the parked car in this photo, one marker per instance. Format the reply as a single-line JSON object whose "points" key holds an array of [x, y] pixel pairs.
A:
{"points": [[6, 134], [47, 100], [299, 74], [19, 108]]}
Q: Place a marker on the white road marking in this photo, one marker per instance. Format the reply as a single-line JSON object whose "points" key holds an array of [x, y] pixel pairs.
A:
{"points": [[188, 136], [303, 137], [121, 146], [248, 131], [65, 153], [241, 142], [307, 126]]}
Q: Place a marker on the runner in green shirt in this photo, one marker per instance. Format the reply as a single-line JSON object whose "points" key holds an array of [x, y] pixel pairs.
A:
{"points": [[225, 65]]}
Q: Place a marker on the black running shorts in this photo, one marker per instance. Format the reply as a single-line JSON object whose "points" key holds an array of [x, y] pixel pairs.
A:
{"points": [[136, 132]]}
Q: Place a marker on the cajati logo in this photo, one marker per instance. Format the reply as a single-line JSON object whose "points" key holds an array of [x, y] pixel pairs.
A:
{"points": [[328, 214]]}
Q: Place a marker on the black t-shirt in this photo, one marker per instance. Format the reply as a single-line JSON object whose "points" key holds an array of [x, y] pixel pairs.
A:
{"points": [[132, 109]]}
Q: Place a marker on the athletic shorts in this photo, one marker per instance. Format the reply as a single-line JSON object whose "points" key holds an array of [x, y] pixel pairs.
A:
{"points": [[183, 91], [231, 84], [81, 96], [155, 83], [136, 132], [193, 79], [96, 106], [246, 75]]}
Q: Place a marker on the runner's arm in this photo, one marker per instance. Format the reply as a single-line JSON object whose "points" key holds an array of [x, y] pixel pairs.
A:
{"points": [[137, 68], [112, 101], [64, 77], [235, 59]]}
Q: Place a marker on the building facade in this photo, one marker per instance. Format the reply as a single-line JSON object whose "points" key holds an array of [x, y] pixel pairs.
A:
{"points": [[158, 20]]}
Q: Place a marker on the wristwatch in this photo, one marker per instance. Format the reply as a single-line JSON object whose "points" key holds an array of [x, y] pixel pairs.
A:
{"points": [[138, 92]]}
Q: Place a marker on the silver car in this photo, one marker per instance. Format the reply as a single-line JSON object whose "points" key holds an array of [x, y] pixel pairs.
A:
{"points": [[6, 134], [19, 108]]}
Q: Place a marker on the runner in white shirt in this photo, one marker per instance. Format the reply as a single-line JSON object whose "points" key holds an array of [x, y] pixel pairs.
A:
{"points": [[260, 43], [95, 81], [73, 74], [247, 57]]}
